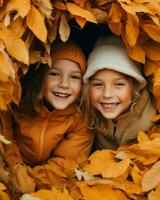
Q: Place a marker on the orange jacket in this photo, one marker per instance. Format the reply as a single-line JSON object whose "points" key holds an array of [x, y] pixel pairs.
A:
{"points": [[60, 133]]}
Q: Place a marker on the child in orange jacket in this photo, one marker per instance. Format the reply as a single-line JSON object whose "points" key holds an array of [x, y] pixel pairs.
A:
{"points": [[48, 123]]}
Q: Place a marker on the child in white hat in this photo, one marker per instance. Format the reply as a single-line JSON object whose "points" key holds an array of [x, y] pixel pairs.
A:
{"points": [[116, 102]]}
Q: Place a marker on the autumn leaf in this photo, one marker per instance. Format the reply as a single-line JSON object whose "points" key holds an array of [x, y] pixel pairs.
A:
{"points": [[53, 194], [22, 7], [15, 46], [64, 29], [151, 178], [39, 29], [153, 31], [132, 29], [103, 162], [100, 192], [76, 10]]}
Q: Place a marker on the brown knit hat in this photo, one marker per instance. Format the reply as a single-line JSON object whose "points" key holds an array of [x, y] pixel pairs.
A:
{"points": [[69, 50]]}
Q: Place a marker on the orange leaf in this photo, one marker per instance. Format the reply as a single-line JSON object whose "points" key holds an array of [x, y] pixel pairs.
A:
{"points": [[132, 29], [101, 192], [103, 162], [152, 50], [136, 53], [150, 67], [35, 22], [15, 46], [153, 31], [151, 178], [76, 10]]}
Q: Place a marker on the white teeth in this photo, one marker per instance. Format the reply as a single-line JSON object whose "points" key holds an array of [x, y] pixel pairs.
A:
{"points": [[58, 94], [110, 105]]}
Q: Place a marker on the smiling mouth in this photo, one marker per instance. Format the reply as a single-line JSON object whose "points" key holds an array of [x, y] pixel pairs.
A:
{"points": [[62, 95], [109, 105]]}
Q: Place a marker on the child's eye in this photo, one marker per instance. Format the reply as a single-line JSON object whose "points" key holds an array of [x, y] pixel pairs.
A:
{"points": [[75, 77], [54, 73], [119, 84], [97, 84]]}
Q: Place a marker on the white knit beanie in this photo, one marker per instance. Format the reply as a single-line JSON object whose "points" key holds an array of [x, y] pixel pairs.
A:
{"points": [[110, 53]]}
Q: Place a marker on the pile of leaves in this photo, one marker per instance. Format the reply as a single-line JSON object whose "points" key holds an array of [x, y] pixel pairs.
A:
{"points": [[24, 23], [130, 173]]}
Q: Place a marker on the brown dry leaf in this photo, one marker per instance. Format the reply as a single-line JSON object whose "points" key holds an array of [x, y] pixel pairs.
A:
{"points": [[153, 31], [53, 194], [152, 49], [136, 176], [15, 46], [100, 15], [39, 29], [132, 29], [59, 5], [64, 28], [22, 7], [136, 53], [76, 10], [101, 192], [151, 178], [103, 162], [154, 195], [150, 67]]}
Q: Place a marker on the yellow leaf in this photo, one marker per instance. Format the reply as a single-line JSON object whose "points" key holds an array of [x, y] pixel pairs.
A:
{"points": [[155, 118], [151, 178], [17, 27], [4, 196], [2, 187], [35, 22], [153, 31], [142, 137], [45, 7], [64, 28], [15, 46], [154, 195], [132, 29], [103, 162], [6, 69], [101, 192], [53, 194], [76, 10], [152, 50], [22, 7]]}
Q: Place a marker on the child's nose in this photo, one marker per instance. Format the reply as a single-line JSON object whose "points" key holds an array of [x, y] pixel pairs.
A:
{"points": [[108, 92], [64, 82]]}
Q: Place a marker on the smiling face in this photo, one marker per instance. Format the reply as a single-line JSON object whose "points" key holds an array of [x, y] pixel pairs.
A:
{"points": [[62, 84], [111, 93]]}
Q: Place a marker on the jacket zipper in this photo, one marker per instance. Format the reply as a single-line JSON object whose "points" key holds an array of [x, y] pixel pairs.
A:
{"points": [[42, 138]]}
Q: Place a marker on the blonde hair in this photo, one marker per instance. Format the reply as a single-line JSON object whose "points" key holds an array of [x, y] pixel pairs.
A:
{"points": [[94, 118]]}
